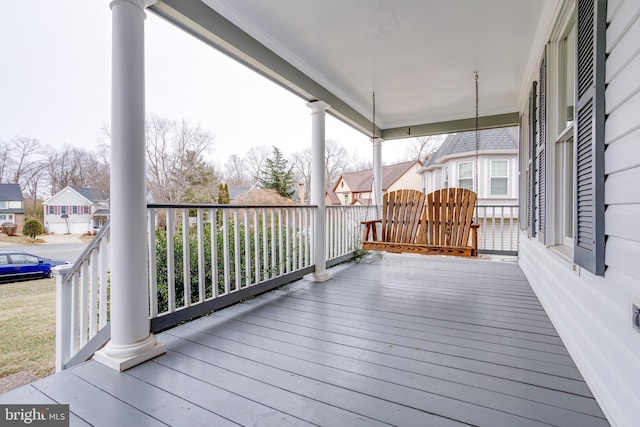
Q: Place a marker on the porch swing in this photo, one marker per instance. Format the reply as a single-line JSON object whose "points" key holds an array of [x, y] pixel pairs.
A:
{"points": [[441, 226]]}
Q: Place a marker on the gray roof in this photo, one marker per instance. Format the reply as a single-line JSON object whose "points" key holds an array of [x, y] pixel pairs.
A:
{"points": [[10, 192], [92, 194], [465, 142]]}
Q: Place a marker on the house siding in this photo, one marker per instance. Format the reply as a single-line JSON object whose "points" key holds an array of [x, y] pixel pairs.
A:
{"points": [[75, 223], [410, 180], [593, 313]]}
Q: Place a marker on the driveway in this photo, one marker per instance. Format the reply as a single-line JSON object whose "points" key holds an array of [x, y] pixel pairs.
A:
{"points": [[60, 246]]}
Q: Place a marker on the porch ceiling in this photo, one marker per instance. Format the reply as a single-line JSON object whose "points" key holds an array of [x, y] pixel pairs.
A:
{"points": [[418, 56]]}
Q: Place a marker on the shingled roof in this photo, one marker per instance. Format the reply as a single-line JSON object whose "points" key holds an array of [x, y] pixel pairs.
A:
{"points": [[10, 192], [465, 142], [360, 181], [91, 194]]}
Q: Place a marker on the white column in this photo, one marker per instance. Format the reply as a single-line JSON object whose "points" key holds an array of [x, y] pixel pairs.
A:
{"points": [[377, 174], [131, 343], [318, 109]]}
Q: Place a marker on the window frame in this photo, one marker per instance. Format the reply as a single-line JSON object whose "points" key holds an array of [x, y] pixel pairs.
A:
{"points": [[471, 178], [491, 177]]}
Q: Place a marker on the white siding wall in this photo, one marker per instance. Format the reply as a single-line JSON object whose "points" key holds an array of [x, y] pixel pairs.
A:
{"points": [[410, 180], [593, 314]]}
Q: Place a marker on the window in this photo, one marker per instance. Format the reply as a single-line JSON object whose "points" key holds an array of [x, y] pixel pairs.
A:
{"points": [[74, 210], [24, 259], [3, 217], [85, 210], [465, 175], [445, 177], [63, 210], [566, 73], [52, 210], [4, 204], [499, 177]]}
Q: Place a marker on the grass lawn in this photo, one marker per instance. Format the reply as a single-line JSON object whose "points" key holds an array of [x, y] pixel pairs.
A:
{"points": [[27, 327]]}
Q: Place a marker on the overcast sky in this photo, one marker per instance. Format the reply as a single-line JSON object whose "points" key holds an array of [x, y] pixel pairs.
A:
{"points": [[55, 84]]}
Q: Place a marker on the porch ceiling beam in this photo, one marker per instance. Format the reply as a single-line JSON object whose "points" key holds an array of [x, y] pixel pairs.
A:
{"points": [[199, 20], [453, 126]]}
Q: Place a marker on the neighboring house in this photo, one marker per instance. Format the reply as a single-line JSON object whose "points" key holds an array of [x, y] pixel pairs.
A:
{"points": [[76, 210], [454, 165], [455, 162], [355, 188], [12, 205]]}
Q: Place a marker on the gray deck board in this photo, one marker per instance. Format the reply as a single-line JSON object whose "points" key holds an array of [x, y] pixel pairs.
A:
{"points": [[409, 341]]}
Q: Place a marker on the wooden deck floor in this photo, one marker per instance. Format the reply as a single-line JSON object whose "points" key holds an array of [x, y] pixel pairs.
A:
{"points": [[409, 340]]}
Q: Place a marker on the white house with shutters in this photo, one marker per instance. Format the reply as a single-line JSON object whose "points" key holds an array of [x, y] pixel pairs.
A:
{"points": [[76, 210]]}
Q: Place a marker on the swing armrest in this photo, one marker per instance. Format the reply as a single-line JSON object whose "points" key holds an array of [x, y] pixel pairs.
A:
{"points": [[370, 229], [371, 221]]}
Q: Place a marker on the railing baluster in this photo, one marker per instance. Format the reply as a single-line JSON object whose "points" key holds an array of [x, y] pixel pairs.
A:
{"points": [[84, 296], [256, 246], [104, 284], [153, 274], [201, 273], [236, 250], [287, 236], [171, 276], [273, 244], [213, 219], [93, 294], [225, 251], [265, 245], [280, 243], [247, 249], [186, 259], [73, 342]]}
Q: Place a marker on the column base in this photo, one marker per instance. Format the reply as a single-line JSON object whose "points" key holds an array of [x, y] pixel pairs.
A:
{"points": [[121, 358], [318, 276]]}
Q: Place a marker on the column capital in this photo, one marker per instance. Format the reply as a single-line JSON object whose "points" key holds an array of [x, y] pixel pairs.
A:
{"points": [[376, 140], [318, 106], [142, 4]]}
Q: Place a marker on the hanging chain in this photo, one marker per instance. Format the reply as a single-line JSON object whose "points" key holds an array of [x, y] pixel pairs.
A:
{"points": [[373, 123], [477, 134], [477, 146]]}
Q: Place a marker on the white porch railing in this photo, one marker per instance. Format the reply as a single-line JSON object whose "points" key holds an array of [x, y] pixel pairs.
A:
{"points": [[203, 258], [344, 231], [82, 302], [498, 229]]}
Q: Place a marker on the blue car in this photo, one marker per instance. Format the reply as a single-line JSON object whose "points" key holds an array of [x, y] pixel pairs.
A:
{"points": [[17, 265]]}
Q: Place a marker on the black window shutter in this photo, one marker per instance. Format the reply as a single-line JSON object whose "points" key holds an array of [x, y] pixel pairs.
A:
{"points": [[542, 142], [532, 211], [589, 136]]}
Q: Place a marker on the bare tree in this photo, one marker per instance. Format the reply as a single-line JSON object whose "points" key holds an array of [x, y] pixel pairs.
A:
{"points": [[301, 163], [336, 161], [5, 161], [24, 150], [174, 153], [359, 164], [423, 147], [236, 173], [73, 166], [256, 159]]}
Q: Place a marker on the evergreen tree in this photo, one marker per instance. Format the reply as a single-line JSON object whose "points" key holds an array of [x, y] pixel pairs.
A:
{"points": [[277, 175], [223, 194]]}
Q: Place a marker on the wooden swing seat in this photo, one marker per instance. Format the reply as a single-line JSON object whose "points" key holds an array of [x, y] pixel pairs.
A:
{"points": [[441, 226]]}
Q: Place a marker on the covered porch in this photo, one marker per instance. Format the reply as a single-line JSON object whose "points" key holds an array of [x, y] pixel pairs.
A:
{"points": [[401, 340]]}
